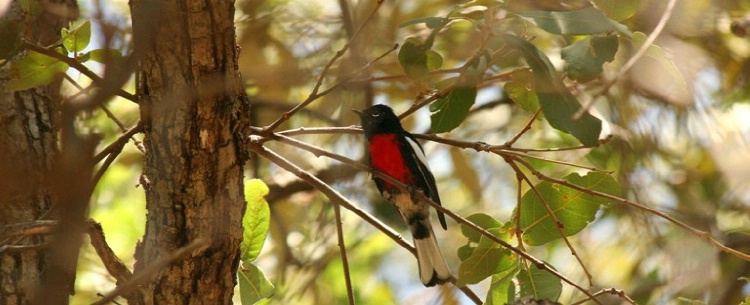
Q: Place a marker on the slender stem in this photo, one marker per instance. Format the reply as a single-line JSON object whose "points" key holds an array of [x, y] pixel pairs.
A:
{"points": [[78, 66], [558, 224], [700, 234], [314, 95], [631, 62], [143, 276], [419, 195], [344, 259]]}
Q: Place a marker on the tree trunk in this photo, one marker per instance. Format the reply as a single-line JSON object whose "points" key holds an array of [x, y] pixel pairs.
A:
{"points": [[29, 122], [195, 118]]}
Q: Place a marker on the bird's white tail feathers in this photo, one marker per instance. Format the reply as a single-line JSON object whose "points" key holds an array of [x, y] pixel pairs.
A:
{"points": [[432, 267]]}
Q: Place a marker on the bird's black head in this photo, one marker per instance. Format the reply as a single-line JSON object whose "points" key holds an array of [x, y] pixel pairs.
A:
{"points": [[379, 119]]}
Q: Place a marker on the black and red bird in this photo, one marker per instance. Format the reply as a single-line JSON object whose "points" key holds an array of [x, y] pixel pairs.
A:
{"points": [[395, 152]]}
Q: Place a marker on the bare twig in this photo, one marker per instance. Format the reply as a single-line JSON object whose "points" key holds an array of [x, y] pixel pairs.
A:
{"points": [[421, 196], [111, 262], [314, 95], [617, 292], [631, 62], [700, 234], [116, 146], [145, 275], [558, 224], [525, 128], [339, 199], [344, 258], [78, 66]]}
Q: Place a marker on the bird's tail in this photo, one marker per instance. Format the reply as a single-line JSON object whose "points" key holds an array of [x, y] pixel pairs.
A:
{"points": [[432, 267]]}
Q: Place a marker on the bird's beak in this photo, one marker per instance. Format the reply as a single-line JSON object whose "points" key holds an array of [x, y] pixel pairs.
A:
{"points": [[358, 112]]}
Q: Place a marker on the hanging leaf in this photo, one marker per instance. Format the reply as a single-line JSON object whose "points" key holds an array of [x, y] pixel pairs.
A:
{"points": [[574, 209], [104, 56], [583, 21], [487, 257], [256, 220], [77, 39], [417, 59], [34, 70], [618, 9], [451, 109], [586, 57], [254, 286], [558, 105], [539, 283], [502, 289], [430, 22], [521, 91]]}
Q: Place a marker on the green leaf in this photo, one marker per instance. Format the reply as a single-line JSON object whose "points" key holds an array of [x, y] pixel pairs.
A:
{"points": [[77, 39], [482, 220], [502, 289], [413, 58], [451, 109], [256, 220], [521, 90], [465, 251], [539, 283], [254, 286], [488, 258], [586, 57], [430, 22], [583, 21], [557, 103], [574, 209], [104, 56], [11, 32], [618, 9], [34, 70], [599, 182]]}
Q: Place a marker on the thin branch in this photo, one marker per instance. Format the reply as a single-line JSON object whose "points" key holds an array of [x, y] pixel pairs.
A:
{"points": [[344, 258], [339, 199], [145, 275], [421, 196], [314, 95], [332, 194], [631, 62], [618, 292], [525, 128], [700, 234], [558, 224], [116, 146], [78, 66], [111, 262]]}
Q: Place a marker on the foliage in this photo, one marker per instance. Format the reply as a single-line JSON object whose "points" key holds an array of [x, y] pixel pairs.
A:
{"points": [[554, 137]]}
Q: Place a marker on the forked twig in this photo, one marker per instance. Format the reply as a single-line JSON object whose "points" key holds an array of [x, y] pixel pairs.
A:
{"points": [[344, 258], [314, 95], [143, 276], [631, 62]]}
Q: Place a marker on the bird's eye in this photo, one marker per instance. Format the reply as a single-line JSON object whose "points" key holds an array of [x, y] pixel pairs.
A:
{"points": [[375, 115]]}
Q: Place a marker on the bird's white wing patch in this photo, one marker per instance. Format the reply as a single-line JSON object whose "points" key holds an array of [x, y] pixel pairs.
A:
{"points": [[417, 150]]}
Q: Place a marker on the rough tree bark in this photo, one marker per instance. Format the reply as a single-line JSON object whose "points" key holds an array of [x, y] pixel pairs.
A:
{"points": [[194, 116], [28, 146]]}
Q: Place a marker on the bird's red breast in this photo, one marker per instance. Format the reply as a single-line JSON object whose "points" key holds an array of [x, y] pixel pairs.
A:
{"points": [[385, 156]]}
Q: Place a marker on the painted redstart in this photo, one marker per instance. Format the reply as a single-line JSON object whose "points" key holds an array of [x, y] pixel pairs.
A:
{"points": [[395, 152]]}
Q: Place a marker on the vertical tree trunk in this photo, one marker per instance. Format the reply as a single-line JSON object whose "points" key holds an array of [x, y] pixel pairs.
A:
{"points": [[194, 115], [28, 145]]}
